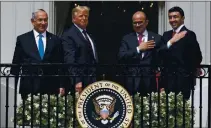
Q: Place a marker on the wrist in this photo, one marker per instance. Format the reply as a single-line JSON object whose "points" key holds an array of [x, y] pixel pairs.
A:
{"points": [[140, 49], [171, 41]]}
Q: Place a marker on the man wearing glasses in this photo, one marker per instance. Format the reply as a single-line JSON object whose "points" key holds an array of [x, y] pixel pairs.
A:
{"points": [[140, 47]]}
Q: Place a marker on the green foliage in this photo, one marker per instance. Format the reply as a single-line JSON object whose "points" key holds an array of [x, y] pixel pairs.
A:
{"points": [[151, 109], [56, 113]]}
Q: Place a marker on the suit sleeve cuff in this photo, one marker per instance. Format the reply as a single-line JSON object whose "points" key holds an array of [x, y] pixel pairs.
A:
{"points": [[137, 49], [168, 44]]}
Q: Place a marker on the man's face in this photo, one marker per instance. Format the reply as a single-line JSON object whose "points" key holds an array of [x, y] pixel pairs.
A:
{"points": [[40, 22], [139, 22], [81, 18], [175, 20]]}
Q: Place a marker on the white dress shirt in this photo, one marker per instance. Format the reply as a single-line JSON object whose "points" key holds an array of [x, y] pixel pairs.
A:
{"points": [[177, 31], [144, 39], [36, 36], [90, 40]]}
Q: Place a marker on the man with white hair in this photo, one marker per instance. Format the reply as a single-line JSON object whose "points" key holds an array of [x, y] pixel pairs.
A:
{"points": [[38, 46]]}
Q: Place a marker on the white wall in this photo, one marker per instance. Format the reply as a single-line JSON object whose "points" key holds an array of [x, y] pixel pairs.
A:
{"points": [[197, 18], [15, 20]]}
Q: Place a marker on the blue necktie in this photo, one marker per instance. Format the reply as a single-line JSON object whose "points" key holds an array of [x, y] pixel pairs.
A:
{"points": [[41, 46]]}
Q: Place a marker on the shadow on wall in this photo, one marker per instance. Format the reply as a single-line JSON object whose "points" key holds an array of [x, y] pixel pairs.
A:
{"points": [[10, 102]]}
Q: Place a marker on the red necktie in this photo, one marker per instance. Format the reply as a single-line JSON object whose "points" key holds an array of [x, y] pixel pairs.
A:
{"points": [[173, 34], [140, 36]]}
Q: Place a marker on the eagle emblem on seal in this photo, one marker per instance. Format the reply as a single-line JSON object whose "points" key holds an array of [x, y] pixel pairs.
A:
{"points": [[104, 109]]}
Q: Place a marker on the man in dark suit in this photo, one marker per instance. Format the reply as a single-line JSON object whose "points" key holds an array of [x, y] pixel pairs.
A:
{"points": [[140, 47], [79, 48], [181, 57], [38, 47]]}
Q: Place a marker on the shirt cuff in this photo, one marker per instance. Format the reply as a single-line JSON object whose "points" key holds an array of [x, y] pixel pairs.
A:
{"points": [[137, 49], [168, 44]]}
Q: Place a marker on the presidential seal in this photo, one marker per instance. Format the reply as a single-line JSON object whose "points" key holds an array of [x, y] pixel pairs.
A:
{"points": [[104, 104]]}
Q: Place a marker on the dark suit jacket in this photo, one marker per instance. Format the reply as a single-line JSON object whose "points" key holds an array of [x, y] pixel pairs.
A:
{"points": [[128, 55], [180, 61], [78, 52], [26, 52]]}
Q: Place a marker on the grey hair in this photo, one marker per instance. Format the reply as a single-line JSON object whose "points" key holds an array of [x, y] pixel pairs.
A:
{"points": [[34, 13]]}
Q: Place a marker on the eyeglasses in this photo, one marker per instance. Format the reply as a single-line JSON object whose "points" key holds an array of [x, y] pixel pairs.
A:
{"points": [[138, 23]]}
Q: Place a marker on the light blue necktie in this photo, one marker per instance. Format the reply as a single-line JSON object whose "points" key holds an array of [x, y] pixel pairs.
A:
{"points": [[41, 46]]}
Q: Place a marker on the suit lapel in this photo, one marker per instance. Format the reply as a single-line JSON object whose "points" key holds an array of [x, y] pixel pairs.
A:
{"points": [[33, 45], [182, 39], [183, 28], [134, 40], [85, 41], [95, 48], [49, 44], [79, 34], [168, 35], [178, 42], [150, 37]]}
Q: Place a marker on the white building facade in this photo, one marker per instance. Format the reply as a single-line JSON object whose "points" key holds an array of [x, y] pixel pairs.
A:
{"points": [[15, 20]]}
